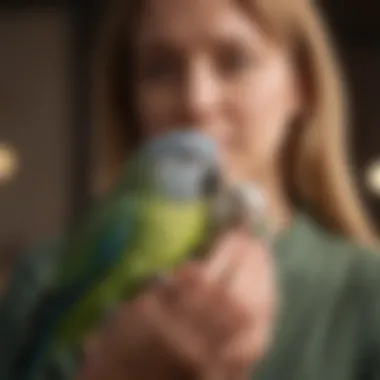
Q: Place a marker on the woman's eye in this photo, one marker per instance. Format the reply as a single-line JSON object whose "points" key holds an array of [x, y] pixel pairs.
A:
{"points": [[234, 61]]}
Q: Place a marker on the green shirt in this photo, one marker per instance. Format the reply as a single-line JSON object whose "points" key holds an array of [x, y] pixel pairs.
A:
{"points": [[329, 322], [329, 326]]}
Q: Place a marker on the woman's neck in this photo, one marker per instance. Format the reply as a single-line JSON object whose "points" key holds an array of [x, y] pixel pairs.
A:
{"points": [[279, 207]]}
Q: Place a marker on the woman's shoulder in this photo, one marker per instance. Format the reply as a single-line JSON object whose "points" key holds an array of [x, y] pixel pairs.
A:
{"points": [[30, 279], [314, 240], [31, 275], [330, 303], [334, 249], [36, 266], [324, 270]]}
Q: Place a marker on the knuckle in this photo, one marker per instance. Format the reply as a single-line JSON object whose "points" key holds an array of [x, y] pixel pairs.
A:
{"points": [[239, 312], [245, 347], [192, 274]]}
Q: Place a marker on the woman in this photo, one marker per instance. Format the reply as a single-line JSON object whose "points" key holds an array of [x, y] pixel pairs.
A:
{"points": [[260, 78]]}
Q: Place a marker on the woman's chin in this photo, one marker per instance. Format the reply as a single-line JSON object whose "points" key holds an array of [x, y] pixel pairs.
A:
{"points": [[236, 174]]}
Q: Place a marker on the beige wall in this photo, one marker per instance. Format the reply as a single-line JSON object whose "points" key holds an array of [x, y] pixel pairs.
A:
{"points": [[364, 71], [34, 117]]}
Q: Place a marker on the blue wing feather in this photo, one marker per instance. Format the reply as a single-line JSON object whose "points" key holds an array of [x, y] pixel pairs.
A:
{"points": [[110, 245]]}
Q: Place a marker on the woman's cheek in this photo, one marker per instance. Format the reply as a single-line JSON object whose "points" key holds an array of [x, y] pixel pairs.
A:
{"points": [[154, 111]]}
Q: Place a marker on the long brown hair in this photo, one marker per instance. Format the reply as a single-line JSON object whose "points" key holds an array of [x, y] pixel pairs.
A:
{"points": [[319, 171]]}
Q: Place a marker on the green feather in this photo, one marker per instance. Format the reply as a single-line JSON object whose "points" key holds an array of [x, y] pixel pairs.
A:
{"points": [[168, 233]]}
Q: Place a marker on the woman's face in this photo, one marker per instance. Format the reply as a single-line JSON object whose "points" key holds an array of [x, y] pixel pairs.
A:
{"points": [[207, 65]]}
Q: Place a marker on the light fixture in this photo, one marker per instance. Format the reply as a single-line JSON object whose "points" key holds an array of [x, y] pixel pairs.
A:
{"points": [[9, 163], [372, 177]]}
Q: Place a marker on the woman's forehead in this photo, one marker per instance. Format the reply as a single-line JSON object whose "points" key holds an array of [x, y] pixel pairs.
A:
{"points": [[197, 8], [171, 22]]}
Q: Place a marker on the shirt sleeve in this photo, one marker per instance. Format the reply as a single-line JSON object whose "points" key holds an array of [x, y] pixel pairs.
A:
{"points": [[26, 288], [369, 288]]}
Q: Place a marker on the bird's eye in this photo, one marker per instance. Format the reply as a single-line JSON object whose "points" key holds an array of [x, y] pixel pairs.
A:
{"points": [[212, 183], [185, 157]]}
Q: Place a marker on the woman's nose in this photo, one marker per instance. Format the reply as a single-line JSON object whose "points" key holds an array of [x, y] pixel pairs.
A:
{"points": [[200, 95]]}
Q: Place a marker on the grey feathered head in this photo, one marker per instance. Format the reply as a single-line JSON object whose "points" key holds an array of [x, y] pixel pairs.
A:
{"points": [[182, 165]]}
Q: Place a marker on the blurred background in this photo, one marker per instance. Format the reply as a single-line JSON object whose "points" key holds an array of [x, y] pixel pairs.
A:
{"points": [[45, 133]]}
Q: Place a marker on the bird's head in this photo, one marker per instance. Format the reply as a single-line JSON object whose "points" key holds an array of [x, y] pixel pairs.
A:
{"points": [[180, 165]]}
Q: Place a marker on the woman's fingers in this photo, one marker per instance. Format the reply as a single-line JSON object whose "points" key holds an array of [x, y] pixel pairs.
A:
{"points": [[248, 282], [224, 256], [206, 312]]}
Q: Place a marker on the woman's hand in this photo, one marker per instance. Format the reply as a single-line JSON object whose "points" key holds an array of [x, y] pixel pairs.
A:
{"points": [[209, 320]]}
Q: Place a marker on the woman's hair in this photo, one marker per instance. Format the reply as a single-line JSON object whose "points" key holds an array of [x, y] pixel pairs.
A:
{"points": [[317, 171]]}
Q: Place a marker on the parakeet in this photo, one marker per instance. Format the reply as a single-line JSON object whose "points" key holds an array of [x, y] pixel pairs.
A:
{"points": [[158, 215], [169, 204]]}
